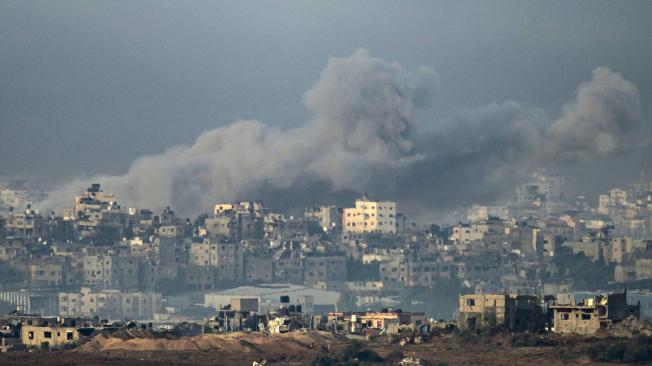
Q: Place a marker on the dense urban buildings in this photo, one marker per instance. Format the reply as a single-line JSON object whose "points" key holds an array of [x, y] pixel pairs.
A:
{"points": [[103, 259]]}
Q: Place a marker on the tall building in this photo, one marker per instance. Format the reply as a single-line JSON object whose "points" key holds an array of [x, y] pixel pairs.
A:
{"points": [[370, 217]]}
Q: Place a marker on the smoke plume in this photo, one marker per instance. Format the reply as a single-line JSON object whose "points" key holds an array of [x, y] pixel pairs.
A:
{"points": [[363, 136], [363, 111]]}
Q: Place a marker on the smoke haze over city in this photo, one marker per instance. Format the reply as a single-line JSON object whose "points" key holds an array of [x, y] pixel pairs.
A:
{"points": [[169, 105], [263, 183]]}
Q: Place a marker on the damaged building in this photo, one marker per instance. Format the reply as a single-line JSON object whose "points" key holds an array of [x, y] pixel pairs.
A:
{"points": [[513, 312], [590, 315]]}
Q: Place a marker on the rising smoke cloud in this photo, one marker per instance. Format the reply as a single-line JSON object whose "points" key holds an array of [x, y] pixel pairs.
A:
{"points": [[363, 111], [363, 136]]}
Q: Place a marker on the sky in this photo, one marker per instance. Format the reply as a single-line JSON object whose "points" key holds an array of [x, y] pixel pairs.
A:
{"points": [[91, 89]]}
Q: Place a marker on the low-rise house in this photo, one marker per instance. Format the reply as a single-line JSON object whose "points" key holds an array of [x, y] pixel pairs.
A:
{"points": [[518, 313], [591, 315], [482, 310], [110, 303], [50, 333], [386, 319]]}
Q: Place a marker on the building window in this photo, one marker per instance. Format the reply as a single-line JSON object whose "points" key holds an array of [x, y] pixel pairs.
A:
{"points": [[564, 316], [69, 336], [47, 334], [470, 302], [586, 316], [30, 335]]}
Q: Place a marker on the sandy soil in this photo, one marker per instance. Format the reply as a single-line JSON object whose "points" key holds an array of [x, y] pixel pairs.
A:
{"points": [[302, 349]]}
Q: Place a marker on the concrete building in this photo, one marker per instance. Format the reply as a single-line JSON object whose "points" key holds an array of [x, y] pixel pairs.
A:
{"points": [[45, 274], [617, 197], [199, 278], [387, 319], [255, 208], [170, 246], [324, 268], [244, 304], [111, 272], [464, 235], [27, 224], [269, 297], [592, 314], [370, 217], [516, 313], [226, 256], [48, 333], [112, 304], [259, 267], [483, 310], [477, 213], [328, 217]]}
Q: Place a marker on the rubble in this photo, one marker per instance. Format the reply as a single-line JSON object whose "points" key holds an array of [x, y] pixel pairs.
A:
{"points": [[630, 327]]}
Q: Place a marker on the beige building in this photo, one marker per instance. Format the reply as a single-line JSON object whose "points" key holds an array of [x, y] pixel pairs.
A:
{"points": [[199, 277], [110, 271], [370, 217], [227, 257], [170, 246], [200, 254], [48, 332], [480, 310], [45, 274], [604, 202], [617, 197], [466, 234], [14, 198], [259, 268], [514, 312], [618, 248], [328, 217], [624, 272], [35, 336], [324, 268], [477, 213], [255, 208], [591, 247], [593, 314], [94, 199], [643, 269], [25, 224], [110, 303]]}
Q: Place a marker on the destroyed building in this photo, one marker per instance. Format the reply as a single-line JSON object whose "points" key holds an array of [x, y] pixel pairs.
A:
{"points": [[590, 315]]}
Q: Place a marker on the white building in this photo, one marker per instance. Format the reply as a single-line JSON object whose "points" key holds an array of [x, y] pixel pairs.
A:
{"points": [[269, 296]]}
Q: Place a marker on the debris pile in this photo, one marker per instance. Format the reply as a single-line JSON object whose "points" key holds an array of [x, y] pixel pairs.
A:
{"points": [[629, 327]]}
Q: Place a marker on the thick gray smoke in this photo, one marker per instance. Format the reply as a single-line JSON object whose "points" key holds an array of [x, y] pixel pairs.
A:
{"points": [[363, 112], [598, 120], [594, 124], [479, 155], [363, 137]]}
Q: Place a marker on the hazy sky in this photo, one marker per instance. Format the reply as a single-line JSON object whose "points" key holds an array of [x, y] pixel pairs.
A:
{"points": [[87, 86]]}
